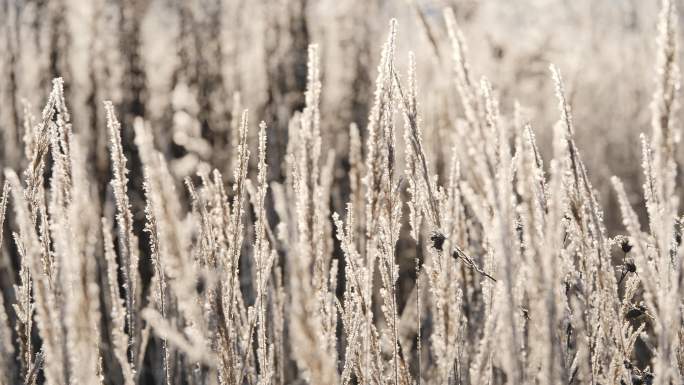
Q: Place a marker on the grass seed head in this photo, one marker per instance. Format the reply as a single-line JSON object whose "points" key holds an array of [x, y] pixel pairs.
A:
{"points": [[438, 240]]}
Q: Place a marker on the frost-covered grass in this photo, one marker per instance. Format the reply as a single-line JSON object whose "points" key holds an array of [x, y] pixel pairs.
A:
{"points": [[184, 244]]}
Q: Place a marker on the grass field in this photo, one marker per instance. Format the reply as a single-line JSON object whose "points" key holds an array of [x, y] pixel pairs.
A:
{"points": [[353, 192]]}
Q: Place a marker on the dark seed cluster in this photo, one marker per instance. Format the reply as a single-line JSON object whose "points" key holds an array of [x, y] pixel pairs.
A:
{"points": [[438, 240]]}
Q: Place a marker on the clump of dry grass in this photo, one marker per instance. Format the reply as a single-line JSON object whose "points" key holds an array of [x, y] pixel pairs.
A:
{"points": [[515, 278]]}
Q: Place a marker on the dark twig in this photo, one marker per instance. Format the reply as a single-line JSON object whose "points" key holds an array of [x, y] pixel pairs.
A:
{"points": [[459, 254]]}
